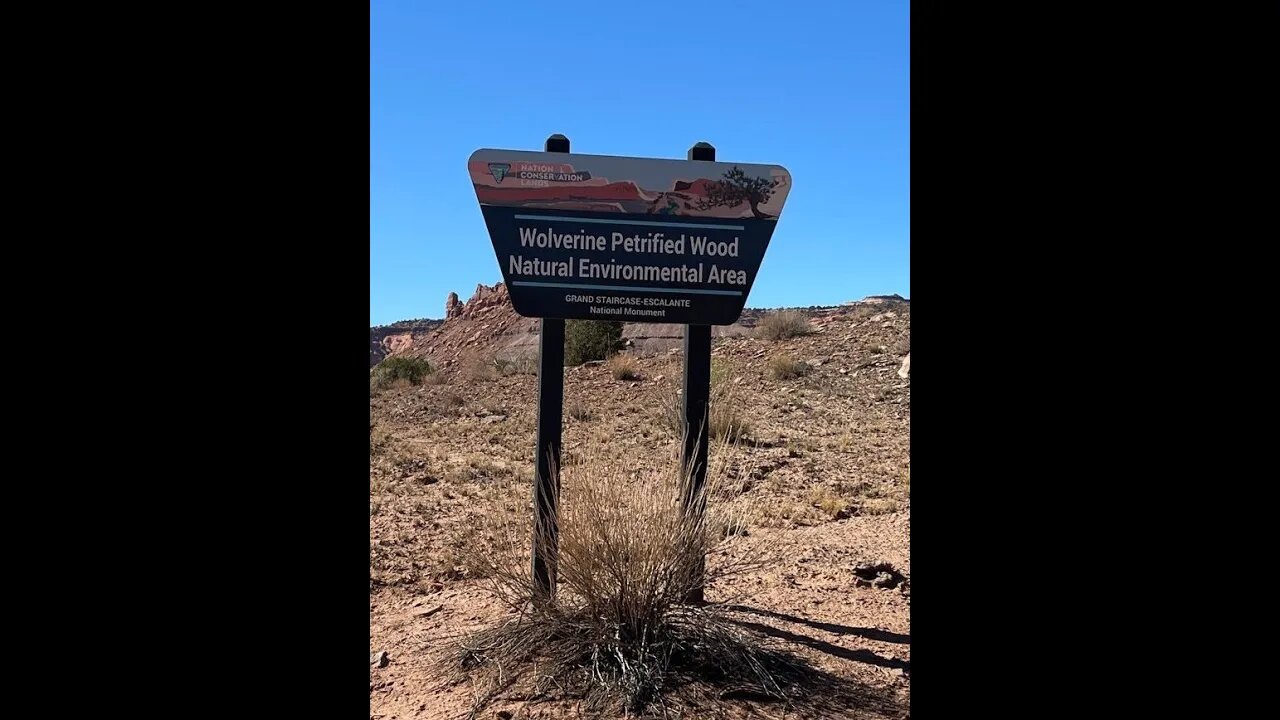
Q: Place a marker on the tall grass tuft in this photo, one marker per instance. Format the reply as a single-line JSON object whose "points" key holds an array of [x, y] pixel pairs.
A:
{"points": [[622, 632], [783, 324]]}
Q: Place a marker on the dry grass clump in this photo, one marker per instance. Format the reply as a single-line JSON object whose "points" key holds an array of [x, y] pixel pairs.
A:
{"points": [[829, 502], [519, 365], [783, 324], [621, 633], [785, 367], [623, 367], [578, 410], [727, 423]]}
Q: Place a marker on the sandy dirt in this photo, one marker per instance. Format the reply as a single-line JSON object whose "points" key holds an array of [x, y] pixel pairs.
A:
{"points": [[829, 493]]}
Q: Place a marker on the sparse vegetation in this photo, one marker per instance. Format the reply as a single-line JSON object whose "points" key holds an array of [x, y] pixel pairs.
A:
{"points": [[622, 630], [586, 340], [399, 369], [578, 410], [783, 324], [445, 476], [623, 367], [785, 367], [879, 506], [379, 439], [520, 365], [727, 423], [827, 501]]}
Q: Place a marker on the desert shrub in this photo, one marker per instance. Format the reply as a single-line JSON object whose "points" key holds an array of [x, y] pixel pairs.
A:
{"points": [[784, 367], [622, 629], [409, 369], [727, 423], [783, 324], [823, 498], [379, 439], [623, 367], [578, 410], [520, 365], [586, 340]]}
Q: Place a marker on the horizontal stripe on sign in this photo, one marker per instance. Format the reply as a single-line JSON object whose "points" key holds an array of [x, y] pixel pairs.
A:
{"points": [[648, 223], [572, 286]]}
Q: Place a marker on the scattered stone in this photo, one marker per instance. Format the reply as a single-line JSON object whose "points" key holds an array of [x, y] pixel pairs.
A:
{"points": [[880, 575], [905, 370], [428, 611], [816, 362], [490, 419], [844, 371], [380, 659], [659, 378]]}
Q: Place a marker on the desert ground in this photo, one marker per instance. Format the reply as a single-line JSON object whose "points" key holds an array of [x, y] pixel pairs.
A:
{"points": [[821, 473]]}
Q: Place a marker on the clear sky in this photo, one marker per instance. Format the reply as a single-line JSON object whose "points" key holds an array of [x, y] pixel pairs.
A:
{"points": [[820, 87]]}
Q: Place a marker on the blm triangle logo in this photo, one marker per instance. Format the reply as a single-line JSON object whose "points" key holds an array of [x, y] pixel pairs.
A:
{"points": [[499, 171]]}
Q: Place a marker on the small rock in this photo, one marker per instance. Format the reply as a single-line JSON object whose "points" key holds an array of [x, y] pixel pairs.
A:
{"points": [[905, 370], [490, 419], [737, 380], [816, 362], [428, 611], [659, 378], [880, 575], [380, 658], [844, 371]]}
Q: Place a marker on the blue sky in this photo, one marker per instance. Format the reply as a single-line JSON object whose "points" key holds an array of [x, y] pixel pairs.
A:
{"points": [[821, 88]]}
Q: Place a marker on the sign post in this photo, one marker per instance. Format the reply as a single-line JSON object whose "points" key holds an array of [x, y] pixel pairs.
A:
{"points": [[697, 405], [546, 481], [598, 237]]}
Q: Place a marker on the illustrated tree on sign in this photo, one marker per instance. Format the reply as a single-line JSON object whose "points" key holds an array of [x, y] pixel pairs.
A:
{"points": [[736, 188]]}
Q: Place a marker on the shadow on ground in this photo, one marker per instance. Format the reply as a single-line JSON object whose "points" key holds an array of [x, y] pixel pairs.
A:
{"points": [[707, 658]]}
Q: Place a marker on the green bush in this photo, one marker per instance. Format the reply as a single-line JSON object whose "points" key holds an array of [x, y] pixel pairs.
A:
{"points": [[409, 369], [586, 340]]}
